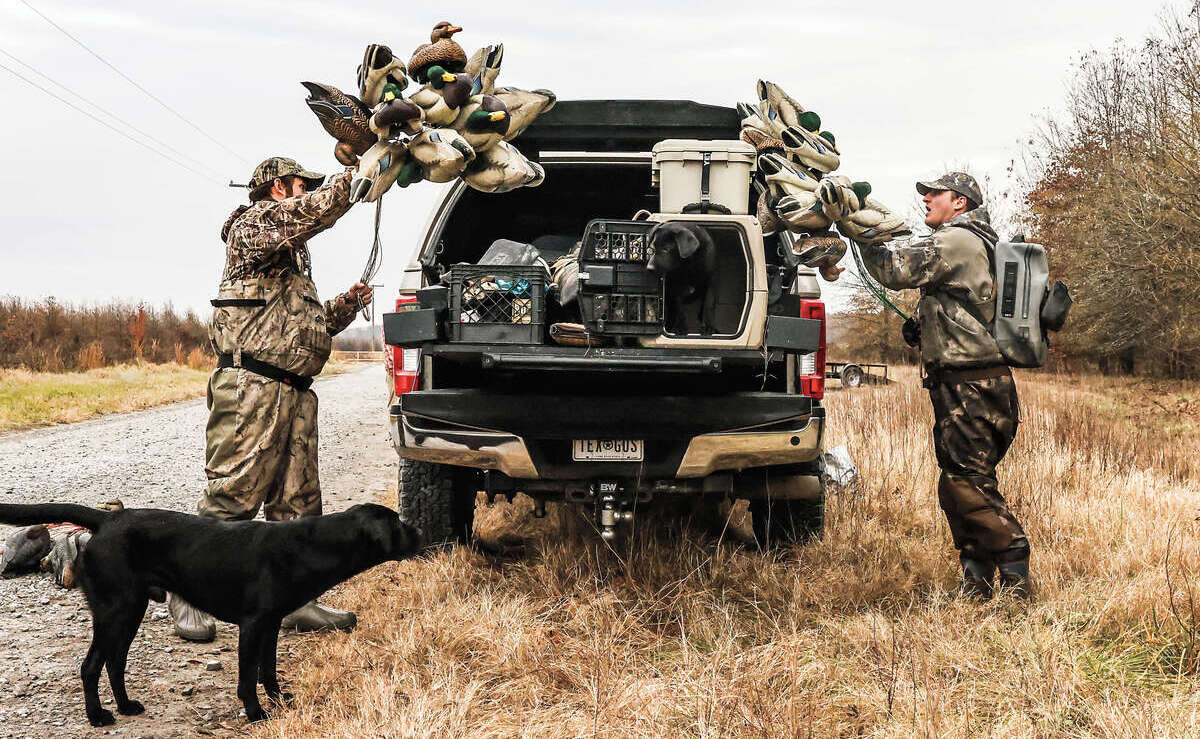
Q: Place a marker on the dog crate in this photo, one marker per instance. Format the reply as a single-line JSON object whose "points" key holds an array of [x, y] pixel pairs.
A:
{"points": [[497, 304], [617, 294]]}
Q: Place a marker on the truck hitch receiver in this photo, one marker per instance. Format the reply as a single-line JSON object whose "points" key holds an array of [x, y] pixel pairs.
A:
{"points": [[614, 505]]}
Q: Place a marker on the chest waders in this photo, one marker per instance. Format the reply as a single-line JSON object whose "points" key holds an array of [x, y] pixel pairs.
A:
{"points": [[272, 326]]}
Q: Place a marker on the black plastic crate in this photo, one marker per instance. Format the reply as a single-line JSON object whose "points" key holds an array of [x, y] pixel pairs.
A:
{"points": [[497, 304], [620, 296]]}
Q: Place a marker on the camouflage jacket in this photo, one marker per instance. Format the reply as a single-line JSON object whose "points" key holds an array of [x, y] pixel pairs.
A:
{"points": [[952, 268], [269, 238]]}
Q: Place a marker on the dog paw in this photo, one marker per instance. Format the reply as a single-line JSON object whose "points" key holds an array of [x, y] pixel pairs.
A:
{"points": [[131, 708], [254, 715], [283, 698], [101, 717]]}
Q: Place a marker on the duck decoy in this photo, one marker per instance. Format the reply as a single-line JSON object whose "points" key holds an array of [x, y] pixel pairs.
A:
{"points": [[483, 68], [823, 251], [380, 167], [483, 121], [840, 197], [762, 143], [379, 69], [786, 110], [442, 51], [345, 118], [396, 116], [502, 168], [873, 224], [524, 106], [441, 153], [768, 222], [816, 152], [792, 194], [442, 96]]}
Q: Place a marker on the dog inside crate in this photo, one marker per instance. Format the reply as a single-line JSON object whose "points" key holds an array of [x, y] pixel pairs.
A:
{"points": [[728, 281]]}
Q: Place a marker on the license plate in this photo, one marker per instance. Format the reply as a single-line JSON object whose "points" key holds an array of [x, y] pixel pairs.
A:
{"points": [[608, 450]]}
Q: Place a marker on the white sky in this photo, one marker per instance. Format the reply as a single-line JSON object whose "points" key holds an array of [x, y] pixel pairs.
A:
{"points": [[89, 216]]}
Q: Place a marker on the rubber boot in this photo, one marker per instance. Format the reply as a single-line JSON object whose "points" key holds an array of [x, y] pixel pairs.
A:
{"points": [[191, 623], [977, 578], [315, 617], [1014, 579]]}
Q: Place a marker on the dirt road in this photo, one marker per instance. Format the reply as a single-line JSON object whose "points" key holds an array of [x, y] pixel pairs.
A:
{"points": [[152, 458]]}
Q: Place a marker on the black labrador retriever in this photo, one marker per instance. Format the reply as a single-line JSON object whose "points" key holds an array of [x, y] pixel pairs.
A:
{"points": [[686, 257], [250, 573]]}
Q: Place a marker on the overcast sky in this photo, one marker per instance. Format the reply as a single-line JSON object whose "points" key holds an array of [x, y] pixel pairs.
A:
{"points": [[89, 216]]}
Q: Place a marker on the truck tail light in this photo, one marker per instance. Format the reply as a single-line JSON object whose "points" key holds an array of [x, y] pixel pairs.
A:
{"points": [[403, 364], [812, 366]]}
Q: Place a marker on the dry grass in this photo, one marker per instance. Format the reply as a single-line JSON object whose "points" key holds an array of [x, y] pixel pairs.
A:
{"points": [[853, 635]]}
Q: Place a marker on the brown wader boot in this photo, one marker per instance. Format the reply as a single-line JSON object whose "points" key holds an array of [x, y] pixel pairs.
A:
{"points": [[977, 578], [315, 617], [191, 623]]}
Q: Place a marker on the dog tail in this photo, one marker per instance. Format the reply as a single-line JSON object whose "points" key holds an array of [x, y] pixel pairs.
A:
{"points": [[19, 514]]}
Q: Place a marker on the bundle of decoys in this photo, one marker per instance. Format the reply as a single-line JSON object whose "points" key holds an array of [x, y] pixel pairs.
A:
{"points": [[457, 124], [795, 161]]}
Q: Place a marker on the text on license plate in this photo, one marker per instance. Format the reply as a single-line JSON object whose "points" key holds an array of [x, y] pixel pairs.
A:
{"points": [[607, 450]]}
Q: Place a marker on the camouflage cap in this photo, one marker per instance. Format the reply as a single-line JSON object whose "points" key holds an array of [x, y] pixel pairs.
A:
{"points": [[275, 167], [959, 182]]}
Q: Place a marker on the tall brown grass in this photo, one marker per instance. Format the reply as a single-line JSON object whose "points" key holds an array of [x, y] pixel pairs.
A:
{"points": [[49, 336], [856, 634]]}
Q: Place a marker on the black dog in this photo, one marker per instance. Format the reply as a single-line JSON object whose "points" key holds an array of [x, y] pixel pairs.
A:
{"points": [[250, 573], [686, 258]]}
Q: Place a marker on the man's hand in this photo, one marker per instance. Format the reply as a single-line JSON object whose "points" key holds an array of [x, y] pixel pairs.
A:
{"points": [[361, 293], [911, 331]]}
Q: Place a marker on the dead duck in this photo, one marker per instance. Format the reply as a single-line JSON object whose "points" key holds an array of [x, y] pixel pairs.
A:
{"points": [[442, 96], [524, 106], [345, 118], [379, 70], [441, 153], [502, 168], [873, 224], [792, 194], [840, 197], [380, 167], [483, 121], [442, 51]]}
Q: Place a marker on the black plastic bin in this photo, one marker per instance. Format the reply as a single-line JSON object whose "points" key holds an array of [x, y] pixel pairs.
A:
{"points": [[497, 304], [620, 296]]}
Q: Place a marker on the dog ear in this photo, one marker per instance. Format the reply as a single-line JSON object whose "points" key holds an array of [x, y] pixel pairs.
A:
{"points": [[687, 242]]}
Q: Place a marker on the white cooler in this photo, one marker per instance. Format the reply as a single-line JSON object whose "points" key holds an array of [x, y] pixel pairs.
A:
{"points": [[703, 176]]}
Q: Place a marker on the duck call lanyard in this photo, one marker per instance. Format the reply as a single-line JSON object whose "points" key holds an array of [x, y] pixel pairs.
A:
{"points": [[868, 283], [374, 261]]}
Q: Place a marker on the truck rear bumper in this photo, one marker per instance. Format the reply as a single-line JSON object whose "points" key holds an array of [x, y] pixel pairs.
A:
{"points": [[530, 437]]}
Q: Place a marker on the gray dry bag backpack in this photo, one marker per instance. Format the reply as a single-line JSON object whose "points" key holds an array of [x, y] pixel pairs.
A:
{"points": [[1027, 306]]}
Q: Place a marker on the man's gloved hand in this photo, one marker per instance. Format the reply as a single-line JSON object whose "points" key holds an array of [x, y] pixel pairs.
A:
{"points": [[911, 330], [361, 292]]}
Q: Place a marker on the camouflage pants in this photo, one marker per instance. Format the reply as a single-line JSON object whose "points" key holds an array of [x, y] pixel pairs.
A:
{"points": [[261, 449], [974, 425]]}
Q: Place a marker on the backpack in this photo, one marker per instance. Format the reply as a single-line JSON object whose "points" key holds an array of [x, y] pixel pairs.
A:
{"points": [[1027, 306]]}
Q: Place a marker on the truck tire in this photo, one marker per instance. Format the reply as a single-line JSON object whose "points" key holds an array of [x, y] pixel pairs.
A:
{"points": [[781, 522], [438, 499], [852, 376]]}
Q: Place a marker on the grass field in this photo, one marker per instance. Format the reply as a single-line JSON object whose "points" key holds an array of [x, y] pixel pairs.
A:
{"points": [[32, 399], [857, 634]]}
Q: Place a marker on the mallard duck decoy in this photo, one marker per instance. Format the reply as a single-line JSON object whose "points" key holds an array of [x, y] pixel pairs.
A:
{"points": [[524, 106], [442, 51], [814, 151], [873, 224], [380, 167], [768, 222], [779, 108], [345, 118], [397, 116], [792, 194], [442, 96], [502, 168], [379, 69], [483, 68], [441, 153], [483, 121], [762, 143], [822, 251], [840, 197]]}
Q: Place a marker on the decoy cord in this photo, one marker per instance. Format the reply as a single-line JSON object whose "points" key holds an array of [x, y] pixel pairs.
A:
{"points": [[374, 260], [865, 279]]}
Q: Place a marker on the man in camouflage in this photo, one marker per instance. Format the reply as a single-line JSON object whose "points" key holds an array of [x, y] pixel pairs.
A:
{"points": [[974, 398], [271, 335]]}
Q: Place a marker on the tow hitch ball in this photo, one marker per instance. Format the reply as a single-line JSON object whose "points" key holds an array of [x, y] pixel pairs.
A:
{"points": [[612, 508]]}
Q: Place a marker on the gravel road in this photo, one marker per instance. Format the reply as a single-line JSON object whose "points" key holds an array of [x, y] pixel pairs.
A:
{"points": [[152, 458]]}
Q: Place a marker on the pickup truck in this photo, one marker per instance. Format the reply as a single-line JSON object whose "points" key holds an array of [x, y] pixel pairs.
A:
{"points": [[642, 415]]}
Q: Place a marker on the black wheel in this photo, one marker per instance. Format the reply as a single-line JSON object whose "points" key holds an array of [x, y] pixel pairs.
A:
{"points": [[438, 499], [779, 522], [852, 375]]}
